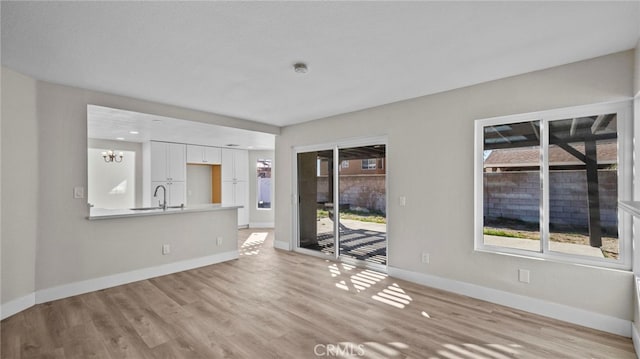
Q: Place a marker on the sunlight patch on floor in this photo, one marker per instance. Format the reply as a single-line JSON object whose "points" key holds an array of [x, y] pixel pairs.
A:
{"points": [[394, 296], [251, 246], [333, 269], [365, 279], [359, 281], [342, 285]]}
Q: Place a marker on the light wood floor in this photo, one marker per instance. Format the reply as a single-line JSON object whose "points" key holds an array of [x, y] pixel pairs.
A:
{"points": [[275, 304]]}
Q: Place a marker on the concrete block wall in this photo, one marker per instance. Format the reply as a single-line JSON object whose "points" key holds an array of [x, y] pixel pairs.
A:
{"points": [[363, 191], [516, 195]]}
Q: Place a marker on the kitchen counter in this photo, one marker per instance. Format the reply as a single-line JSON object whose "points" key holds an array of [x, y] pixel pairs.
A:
{"points": [[103, 213]]}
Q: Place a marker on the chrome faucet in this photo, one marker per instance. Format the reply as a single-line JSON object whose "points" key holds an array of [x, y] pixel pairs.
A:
{"points": [[164, 197]]}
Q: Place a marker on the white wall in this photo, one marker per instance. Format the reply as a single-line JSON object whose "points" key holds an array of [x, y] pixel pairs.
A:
{"points": [[198, 184], [437, 132], [260, 217], [70, 248], [19, 185], [39, 193], [103, 176]]}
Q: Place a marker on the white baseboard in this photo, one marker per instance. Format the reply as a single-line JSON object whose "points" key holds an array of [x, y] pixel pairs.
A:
{"points": [[282, 245], [91, 285], [262, 225], [537, 306], [17, 305], [636, 339]]}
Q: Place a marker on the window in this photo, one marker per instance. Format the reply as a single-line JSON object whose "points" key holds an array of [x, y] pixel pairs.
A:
{"points": [[548, 185], [369, 164], [264, 184]]}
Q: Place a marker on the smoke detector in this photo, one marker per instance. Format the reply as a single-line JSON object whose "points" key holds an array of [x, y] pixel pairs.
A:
{"points": [[300, 68]]}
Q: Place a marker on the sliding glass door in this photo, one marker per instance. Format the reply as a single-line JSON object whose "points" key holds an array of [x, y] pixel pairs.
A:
{"points": [[341, 208], [362, 222], [315, 196]]}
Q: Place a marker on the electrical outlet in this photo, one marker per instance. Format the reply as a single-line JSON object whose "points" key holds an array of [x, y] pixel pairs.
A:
{"points": [[219, 241], [403, 201], [425, 257], [523, 275], [166, 249]]}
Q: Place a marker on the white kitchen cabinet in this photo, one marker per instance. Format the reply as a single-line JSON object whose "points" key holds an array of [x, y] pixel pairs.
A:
{"points": [[158, 161], [228, 165], [203, 155], [236, 194], [176, 193], [228, 193], [242, 165], [235, 165], [235, 187], [168, 168], [242, 197], [168, 162]]}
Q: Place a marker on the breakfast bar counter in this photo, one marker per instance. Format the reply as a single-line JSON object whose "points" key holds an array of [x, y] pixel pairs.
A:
{"points": [[104, 213]]}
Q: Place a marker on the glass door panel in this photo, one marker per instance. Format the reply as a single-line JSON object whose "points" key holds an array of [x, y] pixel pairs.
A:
{"points": [[362, 209], [316, 226]]}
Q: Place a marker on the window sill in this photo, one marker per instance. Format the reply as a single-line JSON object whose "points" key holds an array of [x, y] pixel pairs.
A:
{"points": [[555, 258]]}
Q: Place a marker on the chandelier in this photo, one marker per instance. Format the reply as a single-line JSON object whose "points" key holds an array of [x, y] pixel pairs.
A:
{"points": [[111, 156]]}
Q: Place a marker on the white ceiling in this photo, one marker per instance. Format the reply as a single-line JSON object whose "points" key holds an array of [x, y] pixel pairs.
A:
{"points": [[235, 58], [115, 124]]}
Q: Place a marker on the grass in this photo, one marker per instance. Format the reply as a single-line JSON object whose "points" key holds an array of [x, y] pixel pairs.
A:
{"points": [[372, 217], [501, 233], [609, 247]]}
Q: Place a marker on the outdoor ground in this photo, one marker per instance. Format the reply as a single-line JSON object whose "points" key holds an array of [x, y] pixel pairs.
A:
{"points": [[609, 244]]}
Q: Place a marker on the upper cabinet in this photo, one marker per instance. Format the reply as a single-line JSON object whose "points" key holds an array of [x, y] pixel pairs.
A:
{"points": [[235, 165], [203, 155], [168, 161]]}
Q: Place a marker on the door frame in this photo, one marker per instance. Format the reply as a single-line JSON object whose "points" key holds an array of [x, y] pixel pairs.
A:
{"points": [[336, 146]]}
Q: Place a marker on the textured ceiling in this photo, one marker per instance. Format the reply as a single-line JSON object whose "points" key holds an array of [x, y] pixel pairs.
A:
{"points": [[236, 58]]}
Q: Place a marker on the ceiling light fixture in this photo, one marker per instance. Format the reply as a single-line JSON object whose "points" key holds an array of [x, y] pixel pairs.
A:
{"points": [[120, 138], [300, 68], [134, 132]]}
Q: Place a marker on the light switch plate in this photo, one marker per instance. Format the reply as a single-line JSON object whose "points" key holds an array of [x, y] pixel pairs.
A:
{"points": [[78, 192], [523, 275]]}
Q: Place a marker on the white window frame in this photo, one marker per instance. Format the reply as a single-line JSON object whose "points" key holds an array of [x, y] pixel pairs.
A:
{"points": [[625, 182]]}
